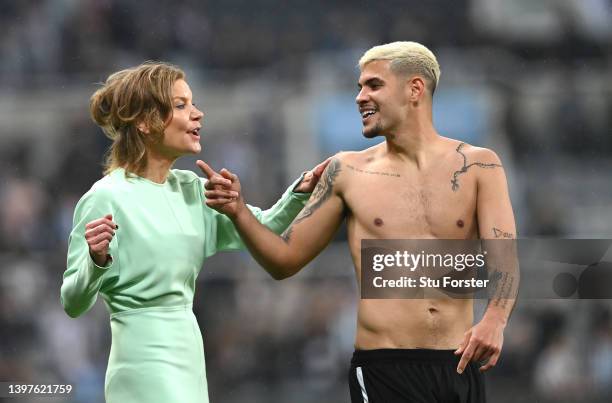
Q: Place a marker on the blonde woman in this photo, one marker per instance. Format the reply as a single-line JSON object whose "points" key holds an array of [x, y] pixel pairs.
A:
{"points": [[142, 232]]}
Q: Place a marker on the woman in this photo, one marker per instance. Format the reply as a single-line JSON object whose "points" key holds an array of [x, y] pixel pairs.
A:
{"points": [[141, 234]]}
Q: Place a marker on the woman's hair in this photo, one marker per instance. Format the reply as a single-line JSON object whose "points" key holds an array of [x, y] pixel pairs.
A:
{"points": [[406, 58], [129, 98]]}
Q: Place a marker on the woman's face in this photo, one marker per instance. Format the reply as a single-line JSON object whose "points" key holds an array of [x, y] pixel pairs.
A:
{"points": [[182, 132]]}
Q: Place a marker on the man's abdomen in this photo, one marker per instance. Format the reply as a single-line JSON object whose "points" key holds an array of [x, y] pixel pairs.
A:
{"points": [[412, 323]]}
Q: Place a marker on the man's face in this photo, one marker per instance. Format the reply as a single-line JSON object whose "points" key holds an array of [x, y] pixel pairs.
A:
{"points": [[381, 99], [182, 132]]}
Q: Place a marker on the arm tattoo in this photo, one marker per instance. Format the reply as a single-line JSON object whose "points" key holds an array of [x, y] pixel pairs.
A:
{"points": [[501, 289], [372, 172], [502, 234], [465, 167], [286, 235], [321, 192]]}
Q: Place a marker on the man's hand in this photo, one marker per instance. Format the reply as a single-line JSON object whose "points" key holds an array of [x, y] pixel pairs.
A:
{"points": [[482, 343], [311, 178], [223, 190]]}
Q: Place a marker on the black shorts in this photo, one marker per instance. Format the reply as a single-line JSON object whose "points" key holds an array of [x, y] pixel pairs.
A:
{"points": [[413, 376]]}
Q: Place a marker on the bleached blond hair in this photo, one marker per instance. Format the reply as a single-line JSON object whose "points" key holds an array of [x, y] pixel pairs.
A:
{"points": [[406, 58]]}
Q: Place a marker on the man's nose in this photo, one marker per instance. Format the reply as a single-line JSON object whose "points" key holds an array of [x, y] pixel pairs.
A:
{"points": [[361, 96]]}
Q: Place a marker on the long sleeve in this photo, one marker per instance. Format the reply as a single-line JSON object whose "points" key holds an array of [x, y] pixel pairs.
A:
{"points": [[277, 218], [83, 278]]}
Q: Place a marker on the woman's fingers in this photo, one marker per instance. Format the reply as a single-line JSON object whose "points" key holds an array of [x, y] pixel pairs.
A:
{"points": [[99, 234], [206, 169], [228, 175], [214, 203], [101, 248], [221, 194], [217, 181], [98, 230], [99, 238], [108, 220]]}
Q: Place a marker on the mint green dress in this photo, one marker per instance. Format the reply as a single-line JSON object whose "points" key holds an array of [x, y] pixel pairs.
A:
{"points": [[165, 233]]}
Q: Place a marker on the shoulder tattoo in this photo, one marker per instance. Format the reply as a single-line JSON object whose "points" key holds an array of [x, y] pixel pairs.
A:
{"points": [[465, 167]]}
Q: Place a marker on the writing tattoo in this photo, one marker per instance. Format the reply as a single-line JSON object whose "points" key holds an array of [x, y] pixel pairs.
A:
{"points": [[502, 234], [501, 288], [372, 172], [465, 167]]}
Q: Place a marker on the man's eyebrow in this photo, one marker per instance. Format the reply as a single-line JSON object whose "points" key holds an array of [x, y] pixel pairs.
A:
{"points": [[370, 81]]}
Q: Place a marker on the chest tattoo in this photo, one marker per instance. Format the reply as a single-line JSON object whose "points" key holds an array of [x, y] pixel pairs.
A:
{"points": [[352, 168]]}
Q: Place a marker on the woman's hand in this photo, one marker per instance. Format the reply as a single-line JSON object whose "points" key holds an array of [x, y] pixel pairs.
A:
{"points": [[223, 191], [99, 234]]}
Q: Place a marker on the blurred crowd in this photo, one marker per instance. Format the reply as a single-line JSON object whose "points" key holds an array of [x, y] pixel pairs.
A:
{"points": [[544, 67]]}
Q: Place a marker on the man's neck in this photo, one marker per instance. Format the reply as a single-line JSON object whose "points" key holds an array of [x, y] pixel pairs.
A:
{"points": [[412, 142]]}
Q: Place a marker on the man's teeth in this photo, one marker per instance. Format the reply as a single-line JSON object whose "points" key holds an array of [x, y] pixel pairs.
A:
{"points": [[365, 114]]}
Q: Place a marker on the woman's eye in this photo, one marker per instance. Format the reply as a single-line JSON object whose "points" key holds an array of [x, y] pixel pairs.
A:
{"points": [[181, 106]]}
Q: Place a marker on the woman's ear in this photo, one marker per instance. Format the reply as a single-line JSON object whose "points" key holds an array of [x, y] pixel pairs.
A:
{"points": [[143, 128]]}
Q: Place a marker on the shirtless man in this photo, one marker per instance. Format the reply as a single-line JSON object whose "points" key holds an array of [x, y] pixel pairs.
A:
{"points": [[415, 185]]}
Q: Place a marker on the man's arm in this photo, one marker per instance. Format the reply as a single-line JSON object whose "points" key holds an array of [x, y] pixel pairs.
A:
{"points": [[313, 228], [496, 227], [222, 233], [498, 230], [277, 218]]}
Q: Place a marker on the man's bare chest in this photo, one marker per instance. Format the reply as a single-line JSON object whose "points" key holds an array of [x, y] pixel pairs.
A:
{"points": [[409, 204]]}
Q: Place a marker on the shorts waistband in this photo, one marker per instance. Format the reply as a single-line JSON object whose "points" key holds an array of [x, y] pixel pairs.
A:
{"points": [[417, 354]]}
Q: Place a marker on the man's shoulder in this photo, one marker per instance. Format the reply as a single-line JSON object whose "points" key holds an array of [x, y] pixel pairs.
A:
{"points": [[490, 168], [355, 157], [475, 154], [346, 164], [336, 170]]}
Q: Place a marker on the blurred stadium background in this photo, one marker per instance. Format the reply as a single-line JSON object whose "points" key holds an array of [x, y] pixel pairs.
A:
{"points": [[277, 80]]}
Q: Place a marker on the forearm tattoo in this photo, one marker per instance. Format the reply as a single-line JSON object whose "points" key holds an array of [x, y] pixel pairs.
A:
{"points": [[321, 193], [465, 167], [502, 289]]}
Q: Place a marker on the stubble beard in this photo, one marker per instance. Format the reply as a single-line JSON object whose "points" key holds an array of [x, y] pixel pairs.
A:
{"points": [[375, 131]]}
